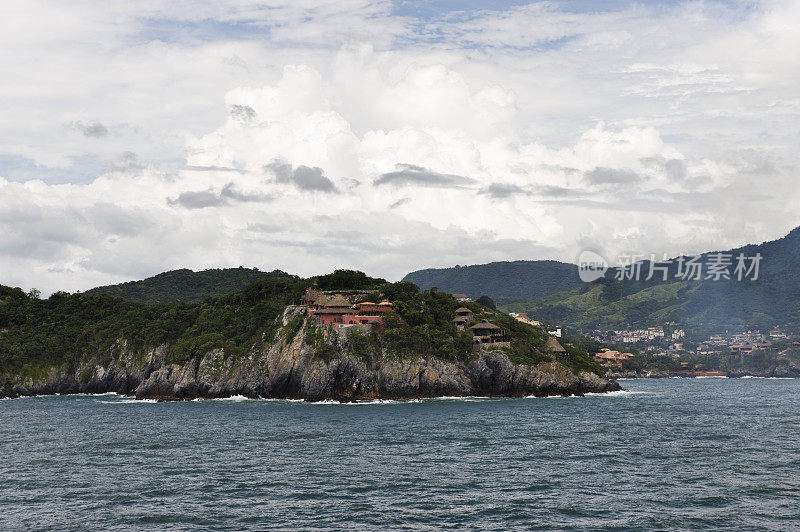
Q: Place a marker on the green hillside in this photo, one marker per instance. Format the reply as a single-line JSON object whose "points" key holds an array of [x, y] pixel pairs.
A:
{"points": [[186, 285], [704, 305], [502, 281]]}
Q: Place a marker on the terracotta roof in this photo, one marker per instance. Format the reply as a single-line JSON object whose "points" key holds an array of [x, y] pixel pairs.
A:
{"points": [[365, 303], [553, 345], [484, 324]]}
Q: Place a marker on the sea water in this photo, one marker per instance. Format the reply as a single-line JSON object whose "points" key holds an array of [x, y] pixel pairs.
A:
{"points": [[672, 454]]}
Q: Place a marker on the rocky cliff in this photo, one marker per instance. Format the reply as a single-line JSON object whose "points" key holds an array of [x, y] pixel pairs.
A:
{"points": [[292, 365]]}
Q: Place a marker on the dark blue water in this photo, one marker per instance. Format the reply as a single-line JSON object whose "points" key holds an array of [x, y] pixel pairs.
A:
{"points": [[671, 454]]}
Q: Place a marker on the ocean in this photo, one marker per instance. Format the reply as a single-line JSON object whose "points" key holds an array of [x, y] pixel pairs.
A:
{"points": [[671, 454]]}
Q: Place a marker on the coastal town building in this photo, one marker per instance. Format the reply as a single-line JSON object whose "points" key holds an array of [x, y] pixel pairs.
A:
{"points": [[638, 335], [777, 334], [608, 357], [524, 318]]}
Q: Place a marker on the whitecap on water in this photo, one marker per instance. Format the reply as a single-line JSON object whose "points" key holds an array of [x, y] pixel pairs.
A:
{"points": [[128, 401], [235, 398], [768, 378]]}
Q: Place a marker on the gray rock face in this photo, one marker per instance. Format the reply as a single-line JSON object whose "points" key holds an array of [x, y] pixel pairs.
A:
{"points": [[291, 367]]}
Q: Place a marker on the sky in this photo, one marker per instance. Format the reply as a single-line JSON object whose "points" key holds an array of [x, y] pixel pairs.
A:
{"points": [[140, 137]]}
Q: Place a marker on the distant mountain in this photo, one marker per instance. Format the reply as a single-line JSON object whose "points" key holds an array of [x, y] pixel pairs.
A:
{"points": [[705, 305], [187, 286], [502, 281]]}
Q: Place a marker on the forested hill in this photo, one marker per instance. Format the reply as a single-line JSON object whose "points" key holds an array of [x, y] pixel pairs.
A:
{"points": [[188, 286], [705, 305], [257, 342], [502, 281]]}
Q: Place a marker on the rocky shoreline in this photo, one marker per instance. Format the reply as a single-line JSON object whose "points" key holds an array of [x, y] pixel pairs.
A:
{"points": [[288, 367]]}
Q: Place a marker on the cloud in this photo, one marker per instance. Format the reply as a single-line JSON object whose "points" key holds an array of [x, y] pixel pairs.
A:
{"points": [[93, 130], [503, 190], [400, 202], [281, 170], [573, 112], [674, 169], [199, 199], [312, 179], [409, 174], [559, 192], [611, 176], [203, 199], [242, 113], [230, 192], [303, 177], [195, 168]]}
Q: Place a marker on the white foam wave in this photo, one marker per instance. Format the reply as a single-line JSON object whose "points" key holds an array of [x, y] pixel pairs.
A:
{"points": [[769, 378], [466, 398], [128, 401], [366, 402], [235, 398]]}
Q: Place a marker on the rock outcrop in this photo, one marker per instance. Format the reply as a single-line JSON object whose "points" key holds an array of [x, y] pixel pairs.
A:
{"points": [[290, 365]]}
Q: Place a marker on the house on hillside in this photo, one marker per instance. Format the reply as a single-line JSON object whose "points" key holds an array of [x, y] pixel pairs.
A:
{"points": [[461, 297], [554, 346], [463, 318], [337, 311], [486, 333], [331, 310]]}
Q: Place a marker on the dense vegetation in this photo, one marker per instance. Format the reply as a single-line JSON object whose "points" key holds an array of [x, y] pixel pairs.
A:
{"points": [[704, 306], [502, 281], [347, 280], [186, 285], [66, 330]]}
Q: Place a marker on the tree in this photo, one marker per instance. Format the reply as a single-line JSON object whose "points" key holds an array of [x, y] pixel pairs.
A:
{"points": [[34, 293], [487, 302]]}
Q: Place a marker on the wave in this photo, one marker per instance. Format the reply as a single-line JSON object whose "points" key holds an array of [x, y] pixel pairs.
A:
{"points": [[768, 378], [365, 402], [127, 401], [711, 377], [235, 398], [466, 398]]}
